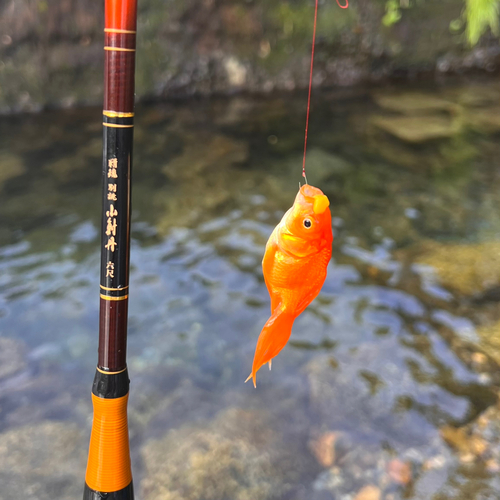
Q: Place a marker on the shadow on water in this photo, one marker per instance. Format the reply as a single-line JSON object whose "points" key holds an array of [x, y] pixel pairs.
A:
{"points": [[389, 384]]}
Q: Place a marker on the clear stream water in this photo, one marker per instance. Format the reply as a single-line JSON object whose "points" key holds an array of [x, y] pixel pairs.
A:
{"points": [[382, 370]]}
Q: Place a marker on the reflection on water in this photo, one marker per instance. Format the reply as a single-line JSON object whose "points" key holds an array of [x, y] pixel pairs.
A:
{"points": [[383, 386]]}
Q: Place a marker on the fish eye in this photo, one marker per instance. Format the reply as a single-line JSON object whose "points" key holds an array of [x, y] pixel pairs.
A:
{"points": [[307, 223]]}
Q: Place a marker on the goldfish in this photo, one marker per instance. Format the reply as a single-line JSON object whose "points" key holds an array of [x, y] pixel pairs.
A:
{"points": [[294, 266]]}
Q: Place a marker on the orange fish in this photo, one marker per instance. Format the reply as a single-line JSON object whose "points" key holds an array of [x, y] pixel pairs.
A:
{"points": [[297, 254]]}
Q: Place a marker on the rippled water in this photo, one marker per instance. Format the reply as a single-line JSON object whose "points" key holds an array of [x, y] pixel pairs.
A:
{"points": [[382, 371]]}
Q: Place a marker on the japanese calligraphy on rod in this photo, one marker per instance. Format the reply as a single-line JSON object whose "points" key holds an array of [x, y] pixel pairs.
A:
{"points": [[109, 472]]}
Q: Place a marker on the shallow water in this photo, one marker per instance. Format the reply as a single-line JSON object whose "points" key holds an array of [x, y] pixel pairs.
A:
{"points": [[382, 369]]}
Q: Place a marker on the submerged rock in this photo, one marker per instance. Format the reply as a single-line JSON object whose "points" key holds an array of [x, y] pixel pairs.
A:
{"points": [[74, 168], [489, 339], [399, 471], [413, 103], [475, 95], [485, 434], [10, 166], [323, 448], [324, 165], [478, 446], [12, 359], [362, 387], [468, 446], [237, 457], [203, 176], [202, 153], [42, 462], [468, 269], [380, 420], [417, 129], [485, 120]]}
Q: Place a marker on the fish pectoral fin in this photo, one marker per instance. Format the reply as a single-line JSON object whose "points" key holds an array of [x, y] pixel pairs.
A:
{"points": [[270, 364]]}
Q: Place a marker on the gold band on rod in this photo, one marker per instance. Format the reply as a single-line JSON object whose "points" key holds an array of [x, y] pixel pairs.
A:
{"points": [[117, 114], [119, 49], [116, 125], [107, 297], [110, 373], [114, 289], [113, 30]]}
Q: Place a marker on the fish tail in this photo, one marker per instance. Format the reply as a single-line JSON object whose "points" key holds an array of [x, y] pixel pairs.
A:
{"points": [[272, 339], [252, 376]]}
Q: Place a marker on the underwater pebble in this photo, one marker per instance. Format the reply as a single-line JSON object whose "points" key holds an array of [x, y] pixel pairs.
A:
{"points": [[323, 448], [412, 213], [479, 358], [331, 479], [399, 471], [492, 466], [369, 492], [437, 462]]}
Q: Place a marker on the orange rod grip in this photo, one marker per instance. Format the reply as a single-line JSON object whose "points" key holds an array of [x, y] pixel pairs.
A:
{"points": [[120, 14], [108, 467]]}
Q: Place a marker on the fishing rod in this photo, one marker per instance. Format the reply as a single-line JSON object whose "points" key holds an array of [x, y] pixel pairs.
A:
{"points": [[109, 473]]}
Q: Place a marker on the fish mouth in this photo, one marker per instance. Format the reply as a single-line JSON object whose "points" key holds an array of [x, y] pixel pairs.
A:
{"points": [[320, 203], [315, 197]]}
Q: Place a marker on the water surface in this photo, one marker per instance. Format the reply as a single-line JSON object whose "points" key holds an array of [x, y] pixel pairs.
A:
{"points": [[385, 372]]}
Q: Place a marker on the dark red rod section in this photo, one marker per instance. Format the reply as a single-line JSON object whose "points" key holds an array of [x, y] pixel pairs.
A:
{"points": [[109, 472], [118, 116]]}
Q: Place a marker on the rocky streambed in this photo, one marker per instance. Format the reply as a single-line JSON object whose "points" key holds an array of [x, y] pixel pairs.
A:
{"points": [[388, 388]]}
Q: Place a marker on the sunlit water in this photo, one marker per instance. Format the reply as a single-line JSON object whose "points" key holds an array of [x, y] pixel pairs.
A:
{"points": [[387, 357]]}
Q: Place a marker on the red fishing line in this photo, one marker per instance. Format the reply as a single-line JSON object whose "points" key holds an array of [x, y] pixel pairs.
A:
{"points": [[310, 86], [310, 81]]}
